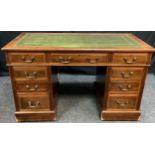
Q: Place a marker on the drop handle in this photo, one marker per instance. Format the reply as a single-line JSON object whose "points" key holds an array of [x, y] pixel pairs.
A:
{"points": [[130, 61], [122, 103], [32, 104], [30, 76], [127, 75], [28, 59], [66, 60], [128, 87], [32, 89]]}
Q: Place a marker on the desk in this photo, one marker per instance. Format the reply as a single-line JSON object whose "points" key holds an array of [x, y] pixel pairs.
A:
{"points": [[33, 57]]}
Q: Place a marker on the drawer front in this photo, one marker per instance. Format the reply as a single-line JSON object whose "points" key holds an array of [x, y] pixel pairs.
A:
{"points": [[26, 58], [121, 102], [31, 87], [124, 86], [34, 102], [130, 58], [127, 73], [30, 73], [71, 59]]}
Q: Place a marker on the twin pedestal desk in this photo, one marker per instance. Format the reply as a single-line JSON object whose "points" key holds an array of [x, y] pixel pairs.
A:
{"points": [[33, 59]]}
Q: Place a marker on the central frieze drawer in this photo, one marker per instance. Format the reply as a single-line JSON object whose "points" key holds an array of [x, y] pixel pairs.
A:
{"points": [[71, 59], [130, 58], [30, 73], [129, 73]]}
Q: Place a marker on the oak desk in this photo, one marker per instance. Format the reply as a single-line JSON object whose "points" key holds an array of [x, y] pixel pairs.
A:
{"points": [[33, 57]]}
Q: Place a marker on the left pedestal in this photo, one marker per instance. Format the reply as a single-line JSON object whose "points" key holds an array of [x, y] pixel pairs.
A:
{"points": [[34, 91]]}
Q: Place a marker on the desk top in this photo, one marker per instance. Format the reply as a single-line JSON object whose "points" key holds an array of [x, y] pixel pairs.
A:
{"points": [[77, 41]]}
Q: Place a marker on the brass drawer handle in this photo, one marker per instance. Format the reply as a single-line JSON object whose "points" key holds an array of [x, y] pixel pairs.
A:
{"points": [[125, 75], [128, 87], [92, 61], [121, 103], [32, 89], [130, 61], [30, 76], [28, 59], [66, 60], [33, 104]]}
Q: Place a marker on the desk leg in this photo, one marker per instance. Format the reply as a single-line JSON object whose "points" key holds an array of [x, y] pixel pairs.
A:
{"points": [[118, 103], [34, 103]]}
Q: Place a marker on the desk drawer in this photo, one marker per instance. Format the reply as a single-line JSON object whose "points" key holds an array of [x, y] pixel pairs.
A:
{"points": [[71, 59], [30, 73], [31, 87], [34, 101], [122, 102], [129, 73], [26, 58], [130, 58], [124, 86]]}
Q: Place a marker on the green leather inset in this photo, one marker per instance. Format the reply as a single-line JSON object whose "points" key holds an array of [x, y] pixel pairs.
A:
{"points": [[77, 40]]}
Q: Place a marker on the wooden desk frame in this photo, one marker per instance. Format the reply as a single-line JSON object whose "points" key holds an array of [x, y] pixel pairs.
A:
{"points": [[35, 91]]}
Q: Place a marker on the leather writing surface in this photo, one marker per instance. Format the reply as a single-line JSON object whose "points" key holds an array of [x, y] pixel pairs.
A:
{"points": [[78, 40]]}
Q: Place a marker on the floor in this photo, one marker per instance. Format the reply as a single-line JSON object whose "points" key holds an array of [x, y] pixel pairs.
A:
{"points": [[77, 100]]}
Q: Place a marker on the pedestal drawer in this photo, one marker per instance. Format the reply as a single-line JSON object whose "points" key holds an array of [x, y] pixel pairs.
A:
{"points": [[127, 73], [30, 73], [32, 101], [124, 86], [31, 87], [122, 102]]}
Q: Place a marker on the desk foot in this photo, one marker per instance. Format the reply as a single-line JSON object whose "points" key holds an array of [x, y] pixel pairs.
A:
{"points": [[120, 115], [18, 120], [35, 116]]}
